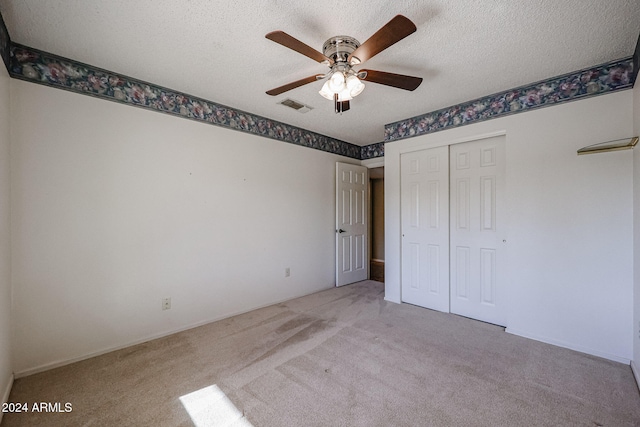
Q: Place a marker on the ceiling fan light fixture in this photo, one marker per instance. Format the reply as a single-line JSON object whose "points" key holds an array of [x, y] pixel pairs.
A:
{"points": [[325, 92], [341, 54], [337, 82], [354, 85], [345, 95]]}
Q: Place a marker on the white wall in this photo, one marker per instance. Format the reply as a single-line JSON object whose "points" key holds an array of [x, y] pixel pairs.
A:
{"points": [[569, 222], [636, 233], [5, 241], [116, 208]]}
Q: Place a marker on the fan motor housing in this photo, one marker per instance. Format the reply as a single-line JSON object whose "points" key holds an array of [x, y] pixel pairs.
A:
{"points": [[339, 48]]}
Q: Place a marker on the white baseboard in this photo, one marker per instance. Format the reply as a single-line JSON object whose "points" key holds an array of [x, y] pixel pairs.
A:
{"points": [[636, 374], [570, 346], [5, 394], [64, 362]]}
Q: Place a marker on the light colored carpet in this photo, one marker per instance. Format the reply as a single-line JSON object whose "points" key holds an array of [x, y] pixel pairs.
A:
{"points": [[342, 357]]}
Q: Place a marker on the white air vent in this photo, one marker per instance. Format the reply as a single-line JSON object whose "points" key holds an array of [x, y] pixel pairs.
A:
{"points": [[298, 106]]}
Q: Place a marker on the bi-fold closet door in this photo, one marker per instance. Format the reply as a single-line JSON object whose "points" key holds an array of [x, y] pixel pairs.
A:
{"points": [[452, 218]]}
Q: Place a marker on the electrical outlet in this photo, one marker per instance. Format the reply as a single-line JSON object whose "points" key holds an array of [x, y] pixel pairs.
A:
{"points": [[166, 303], [287, 272]]}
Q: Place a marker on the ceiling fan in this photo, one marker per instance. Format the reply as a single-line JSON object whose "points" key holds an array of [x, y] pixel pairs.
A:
{"points": [[341, 54]]}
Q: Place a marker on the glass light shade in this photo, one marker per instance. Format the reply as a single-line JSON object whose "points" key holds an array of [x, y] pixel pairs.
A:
{"points": [[344, 95], [355, 86], [326, 92], [336, 82]]}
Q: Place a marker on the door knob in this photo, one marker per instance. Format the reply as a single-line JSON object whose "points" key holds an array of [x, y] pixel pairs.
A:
{"points": [[342, 231]]}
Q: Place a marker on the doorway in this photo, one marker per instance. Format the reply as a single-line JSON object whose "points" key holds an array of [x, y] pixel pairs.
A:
{"points": [[376, 249]]}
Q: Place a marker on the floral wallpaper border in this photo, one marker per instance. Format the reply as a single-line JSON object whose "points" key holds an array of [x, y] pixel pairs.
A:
{"points": [[33, 65], [51, 70], [593, 81], [5, 43], [372, 151]]}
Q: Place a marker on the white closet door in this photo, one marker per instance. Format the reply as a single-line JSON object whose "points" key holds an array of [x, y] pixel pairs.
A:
{"points": [[477, 263], [424, 208]]}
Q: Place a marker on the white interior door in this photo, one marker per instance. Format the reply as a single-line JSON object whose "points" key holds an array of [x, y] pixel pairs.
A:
{"points": [[351, 223], [424, 177], [477, 192]]}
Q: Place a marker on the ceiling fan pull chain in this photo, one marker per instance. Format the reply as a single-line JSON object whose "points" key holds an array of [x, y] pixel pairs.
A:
{"points": [[340, 106]]}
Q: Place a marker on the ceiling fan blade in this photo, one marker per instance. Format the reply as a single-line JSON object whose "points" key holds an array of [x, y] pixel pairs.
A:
{"points": [[390, 79], [293, 85], [391, 33], [292, 43]]}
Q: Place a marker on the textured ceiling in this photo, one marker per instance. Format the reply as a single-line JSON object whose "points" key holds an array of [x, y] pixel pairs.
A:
{"points": [[216, 50]]}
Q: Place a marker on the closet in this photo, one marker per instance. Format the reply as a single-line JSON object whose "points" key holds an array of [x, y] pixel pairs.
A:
{"points": [[452, 224]]}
